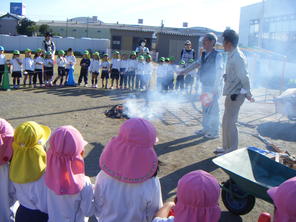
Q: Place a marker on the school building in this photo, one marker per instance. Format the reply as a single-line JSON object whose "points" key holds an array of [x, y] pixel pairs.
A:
{"points": [[271, 25], [163, 41]]}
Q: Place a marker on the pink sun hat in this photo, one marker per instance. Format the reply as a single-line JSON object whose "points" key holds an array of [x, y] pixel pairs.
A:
{"points": [[284, 199], [65, 165], [6, 139], [130, 157], [197, 198]]}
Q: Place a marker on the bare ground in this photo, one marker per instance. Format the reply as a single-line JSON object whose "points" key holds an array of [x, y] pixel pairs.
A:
{"points": [[178, 148]]}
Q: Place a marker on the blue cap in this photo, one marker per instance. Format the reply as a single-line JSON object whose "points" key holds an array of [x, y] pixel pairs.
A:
{"points": [[1, 48]]}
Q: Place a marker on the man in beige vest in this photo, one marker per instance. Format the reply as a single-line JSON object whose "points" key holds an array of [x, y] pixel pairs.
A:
{"points": [[236, 89]]}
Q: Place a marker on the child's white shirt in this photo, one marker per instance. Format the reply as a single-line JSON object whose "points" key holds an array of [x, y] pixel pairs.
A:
{"points": [[158, 219], [32, 195], [124, 64], [148, 68], [116, 64], [40, 60], [61, 62], [7, 194], [132, 65], [2, 59], [105, 65], [70, 59], [140, 68], [94, 65], [48, 62], [71, 208], [28, 63], [16, 67], [125, 202]]}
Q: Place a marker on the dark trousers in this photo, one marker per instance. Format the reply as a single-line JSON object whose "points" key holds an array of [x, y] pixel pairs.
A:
{"points": [[24, 214], [38, 72], [180, 82], [1, 72], [83, 75], [131, 79]]}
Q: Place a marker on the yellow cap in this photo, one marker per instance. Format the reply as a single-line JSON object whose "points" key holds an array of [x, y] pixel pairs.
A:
{"points": [[29, 157]]}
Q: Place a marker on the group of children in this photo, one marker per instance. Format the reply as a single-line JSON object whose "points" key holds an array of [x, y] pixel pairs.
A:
{"points": [[126, 71], [48, 183]]}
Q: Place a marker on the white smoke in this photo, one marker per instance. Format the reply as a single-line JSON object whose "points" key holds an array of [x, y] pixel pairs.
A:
{"points": [[154, 104]]}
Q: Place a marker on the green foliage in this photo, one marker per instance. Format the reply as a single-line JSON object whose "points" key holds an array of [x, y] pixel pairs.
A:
{"points": [[44, 29], [27, 27]]}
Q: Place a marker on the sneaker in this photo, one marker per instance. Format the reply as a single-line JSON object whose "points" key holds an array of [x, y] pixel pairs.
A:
{"points": [[200, 132], [85, 85], [220, 150], [78, 84], [96, 86], [211, 136]]}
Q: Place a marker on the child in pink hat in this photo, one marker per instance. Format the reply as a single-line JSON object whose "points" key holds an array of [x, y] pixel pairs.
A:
{"points": [[284, 199], [127, 189], [197, 200], [7, 192], [70, 193]]}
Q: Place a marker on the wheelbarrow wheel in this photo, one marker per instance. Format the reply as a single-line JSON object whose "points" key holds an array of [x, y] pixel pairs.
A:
{"points": [[236, 200]]}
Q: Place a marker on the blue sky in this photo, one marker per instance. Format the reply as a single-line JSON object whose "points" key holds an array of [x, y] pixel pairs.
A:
{"points": [[215, 14]]}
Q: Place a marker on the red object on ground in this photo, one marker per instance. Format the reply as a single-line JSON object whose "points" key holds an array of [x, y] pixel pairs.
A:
{"points": [[264, 217], [206, 99]]}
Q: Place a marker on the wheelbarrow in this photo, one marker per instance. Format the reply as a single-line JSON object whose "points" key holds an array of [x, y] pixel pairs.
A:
{"points": [[251, 174]]}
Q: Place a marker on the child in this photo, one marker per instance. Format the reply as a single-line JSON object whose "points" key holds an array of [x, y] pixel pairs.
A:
{"points": [[84, 64], [197, 200], [28, 64], [132, 65], [61, 62], [148, 72], [115, 67], [180, 77], [189, 78], [127, 188], [16, 69], [94, 69], [161, 73], [48, 69], [140, 72], [26, 171], [2, 63], [70, 193], [123, 71], [105, 65], [7, 192], [71, 61], [169, 85], [39, 61], [284, 200]]}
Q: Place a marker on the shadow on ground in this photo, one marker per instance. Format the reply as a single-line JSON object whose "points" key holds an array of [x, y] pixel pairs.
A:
{"points": [[278, 130], [91, 161]]}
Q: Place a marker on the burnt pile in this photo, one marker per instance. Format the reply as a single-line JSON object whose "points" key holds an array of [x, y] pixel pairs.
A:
{"points": [[117, 112]]}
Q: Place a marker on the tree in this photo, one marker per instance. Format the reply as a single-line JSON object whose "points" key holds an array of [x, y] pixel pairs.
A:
{"points": [[27, 27], [44, 29]]}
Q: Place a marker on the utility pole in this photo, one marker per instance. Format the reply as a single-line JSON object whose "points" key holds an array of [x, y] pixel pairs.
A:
{"points": [[67, 28], [87, 27]]}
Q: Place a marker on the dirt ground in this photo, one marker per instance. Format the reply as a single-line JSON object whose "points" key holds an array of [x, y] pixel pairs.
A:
{"points": [[178, 148]]}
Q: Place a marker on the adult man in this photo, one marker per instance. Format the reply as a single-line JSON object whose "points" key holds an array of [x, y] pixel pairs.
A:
{"points": [[187, 52], [210, 74], [236, 89]]}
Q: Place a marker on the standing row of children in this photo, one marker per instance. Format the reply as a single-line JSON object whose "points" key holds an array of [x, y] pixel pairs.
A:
{"points": [[52, 186], [126, 71]]}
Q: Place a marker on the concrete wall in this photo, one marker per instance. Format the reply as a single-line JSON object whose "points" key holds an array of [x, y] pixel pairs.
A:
{"points": [[23, 42]]}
